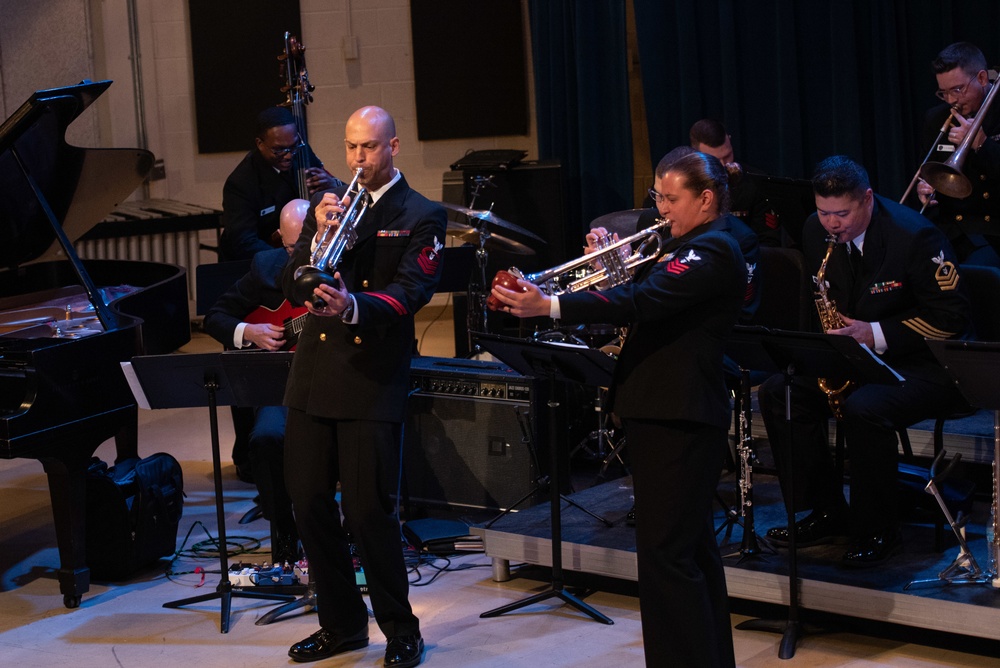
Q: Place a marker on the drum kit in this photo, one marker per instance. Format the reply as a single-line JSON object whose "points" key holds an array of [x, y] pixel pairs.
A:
{"points": [[489, 232]]}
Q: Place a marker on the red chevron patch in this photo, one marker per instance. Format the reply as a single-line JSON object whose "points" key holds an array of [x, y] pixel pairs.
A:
{"points": [[677, 267], [428, 261]]}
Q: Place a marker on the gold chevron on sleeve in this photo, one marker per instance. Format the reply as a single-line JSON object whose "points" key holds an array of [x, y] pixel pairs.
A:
{"points": [[923, 328]]}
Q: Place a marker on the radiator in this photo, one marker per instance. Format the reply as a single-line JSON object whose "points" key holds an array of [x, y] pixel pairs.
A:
{"points": [[155, 231]]}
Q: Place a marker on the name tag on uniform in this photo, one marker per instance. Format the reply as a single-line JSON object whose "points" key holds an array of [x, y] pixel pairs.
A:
{"points": [[264, 212], [945, 148]]}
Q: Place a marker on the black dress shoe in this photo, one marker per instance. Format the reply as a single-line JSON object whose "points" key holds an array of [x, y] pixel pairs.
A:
{"points": [[325, 643], [630, 518], [874, 549], [403, 651], [816, 529]]}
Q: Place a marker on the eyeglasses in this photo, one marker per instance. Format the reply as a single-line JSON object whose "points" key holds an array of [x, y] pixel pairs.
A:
{"points": [[657, 197], [956, 92], [282, 151]]}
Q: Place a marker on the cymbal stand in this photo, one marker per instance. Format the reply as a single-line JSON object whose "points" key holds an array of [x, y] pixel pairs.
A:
{"points": [[750, 544], [477, 318]]}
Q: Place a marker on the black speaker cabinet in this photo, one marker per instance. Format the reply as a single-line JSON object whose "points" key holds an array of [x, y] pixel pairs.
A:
{"points": [[467, 432]]}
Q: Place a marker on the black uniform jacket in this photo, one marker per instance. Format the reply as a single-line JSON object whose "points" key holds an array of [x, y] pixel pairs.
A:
{"points": [[362, 371], [252, 199], [979, 213], [680, 311], [261, 286], [909, 284]]}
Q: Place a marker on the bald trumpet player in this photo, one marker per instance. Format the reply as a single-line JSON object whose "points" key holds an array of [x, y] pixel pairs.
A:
{"points": [[972, 223]]}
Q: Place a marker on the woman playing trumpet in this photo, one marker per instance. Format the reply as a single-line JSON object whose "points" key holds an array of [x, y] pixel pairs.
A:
{"points": [[669, 391]]}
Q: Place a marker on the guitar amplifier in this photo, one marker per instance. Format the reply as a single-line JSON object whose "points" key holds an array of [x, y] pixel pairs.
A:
{"points": [[471, 435]]}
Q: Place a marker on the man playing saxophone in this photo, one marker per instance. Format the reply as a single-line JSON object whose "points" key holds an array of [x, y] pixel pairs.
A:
{"points": [[894, 281]]}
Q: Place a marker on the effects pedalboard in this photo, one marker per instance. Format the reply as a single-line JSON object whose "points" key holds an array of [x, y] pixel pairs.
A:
{"points": [[249, 575]]}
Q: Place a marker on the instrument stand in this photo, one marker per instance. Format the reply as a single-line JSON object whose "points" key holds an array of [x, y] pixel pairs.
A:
{"points": [[750, 546], [809, 355], [975, 366], [167, 381], [964, 569], [532, 358], [306, 602]]}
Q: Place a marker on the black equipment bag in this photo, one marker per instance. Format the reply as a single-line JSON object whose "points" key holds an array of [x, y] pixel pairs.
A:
{"points": [[133, 511]]}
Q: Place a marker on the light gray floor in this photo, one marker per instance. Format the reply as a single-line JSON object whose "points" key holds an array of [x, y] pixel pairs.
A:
{"points": [[126, 625]]}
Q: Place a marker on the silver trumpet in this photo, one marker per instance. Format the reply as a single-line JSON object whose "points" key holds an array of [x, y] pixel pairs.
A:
{"points": [[339, 235], [613, 264]]}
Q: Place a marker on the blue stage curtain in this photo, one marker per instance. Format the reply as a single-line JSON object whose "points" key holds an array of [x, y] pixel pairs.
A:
{"points": [[582, 104], [795, 82]]}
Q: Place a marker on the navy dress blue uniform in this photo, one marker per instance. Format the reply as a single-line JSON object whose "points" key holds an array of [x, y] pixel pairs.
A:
{"points": [[252, 198], [346, 396], [910, 284], [261, 287], [972, 223], [670, 392]]}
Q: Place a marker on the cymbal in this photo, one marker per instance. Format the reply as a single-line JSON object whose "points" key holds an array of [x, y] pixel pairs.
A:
{"points": [[492, 219], [622, 222], [493, 242]]}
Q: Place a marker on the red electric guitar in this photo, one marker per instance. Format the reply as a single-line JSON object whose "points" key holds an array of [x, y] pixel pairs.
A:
{"points": [[292, 318]]}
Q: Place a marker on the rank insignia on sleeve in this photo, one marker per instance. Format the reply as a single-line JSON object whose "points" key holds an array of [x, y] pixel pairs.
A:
{"points": [[678, 266], [430, 257], [946, 275]]}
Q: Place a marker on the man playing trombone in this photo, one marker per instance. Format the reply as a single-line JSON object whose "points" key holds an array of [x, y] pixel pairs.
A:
{"points": [[972, 223]]}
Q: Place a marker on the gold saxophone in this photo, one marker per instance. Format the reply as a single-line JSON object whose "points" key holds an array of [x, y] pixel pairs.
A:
{"points": [[829, 318]]}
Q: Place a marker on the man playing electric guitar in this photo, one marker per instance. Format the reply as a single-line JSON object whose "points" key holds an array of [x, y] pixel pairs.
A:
{"points": [[239, 320]]}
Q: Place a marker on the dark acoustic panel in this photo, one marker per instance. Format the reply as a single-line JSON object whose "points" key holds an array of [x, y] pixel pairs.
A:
{"points": [[235, 46], [469, 68], [465, 438]]}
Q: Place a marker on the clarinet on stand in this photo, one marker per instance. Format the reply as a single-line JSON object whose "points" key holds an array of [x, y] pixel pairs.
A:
{"points": [[750, 545], [992, 527]]}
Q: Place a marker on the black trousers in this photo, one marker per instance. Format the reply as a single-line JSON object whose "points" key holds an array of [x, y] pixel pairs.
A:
{"points": [[267, 454], [683, 599], [872, 415], [362, 456]]}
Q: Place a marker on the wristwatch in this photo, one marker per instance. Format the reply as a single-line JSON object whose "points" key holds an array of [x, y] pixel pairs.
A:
{"points": [[348, 311]]}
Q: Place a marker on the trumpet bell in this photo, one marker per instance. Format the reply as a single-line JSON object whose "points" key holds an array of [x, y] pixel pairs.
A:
{"points": [[946, 179], [307, 281]]}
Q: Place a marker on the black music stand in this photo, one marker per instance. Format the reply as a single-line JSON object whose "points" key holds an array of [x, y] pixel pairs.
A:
{"points": [[975, 366], [208, 379], [820, 356], [553, 361]]}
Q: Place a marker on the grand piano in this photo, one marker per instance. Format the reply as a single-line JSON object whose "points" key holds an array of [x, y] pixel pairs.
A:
{"points": [[66, 324]]}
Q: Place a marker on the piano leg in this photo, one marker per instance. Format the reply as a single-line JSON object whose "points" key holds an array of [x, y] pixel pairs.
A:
{"points": [[68, 491], [67, 474]]}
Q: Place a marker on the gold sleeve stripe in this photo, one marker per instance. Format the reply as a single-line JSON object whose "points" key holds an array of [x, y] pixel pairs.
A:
{"points": [[920, 326]]}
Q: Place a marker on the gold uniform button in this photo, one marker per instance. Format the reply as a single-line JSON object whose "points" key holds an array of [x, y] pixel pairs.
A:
{"points": [[322, 337], [357, 340], [958, 218], [986, 218], [982, 177], [364, 284], [986, 195]]}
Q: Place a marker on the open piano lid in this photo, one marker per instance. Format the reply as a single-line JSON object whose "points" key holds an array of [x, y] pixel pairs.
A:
{"points": [[80, 186]]}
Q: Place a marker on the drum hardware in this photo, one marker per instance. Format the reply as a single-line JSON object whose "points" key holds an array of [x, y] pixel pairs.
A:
{"points": [[482, 232]]}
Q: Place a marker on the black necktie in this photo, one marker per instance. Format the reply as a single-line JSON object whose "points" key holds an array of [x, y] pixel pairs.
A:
{"points": [[857, 265]]}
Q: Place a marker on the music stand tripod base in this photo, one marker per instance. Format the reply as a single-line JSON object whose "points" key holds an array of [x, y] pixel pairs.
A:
{"points": [[535, 358]]}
